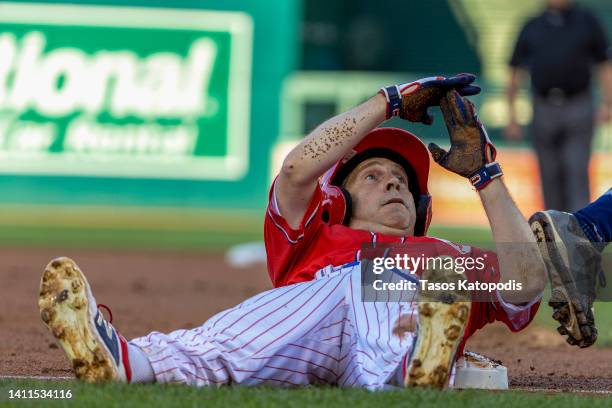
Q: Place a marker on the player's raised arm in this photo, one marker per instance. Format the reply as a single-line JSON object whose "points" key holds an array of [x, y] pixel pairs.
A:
{"points": [[472, 155], [334, 138]]}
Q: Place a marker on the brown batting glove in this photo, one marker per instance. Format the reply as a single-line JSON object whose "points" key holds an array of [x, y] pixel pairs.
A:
{"points": [[411, 101], [471, 152]]}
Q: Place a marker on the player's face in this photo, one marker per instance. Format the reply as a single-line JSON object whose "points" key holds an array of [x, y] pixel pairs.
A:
{"points": [[380, 194]]}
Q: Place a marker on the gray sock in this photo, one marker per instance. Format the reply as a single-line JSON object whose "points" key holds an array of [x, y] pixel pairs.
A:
{"points": [[142, 372]]}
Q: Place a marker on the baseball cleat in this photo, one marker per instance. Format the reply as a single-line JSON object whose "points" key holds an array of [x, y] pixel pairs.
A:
{"points": [[95, 349], [573, 263], [442, 322]]}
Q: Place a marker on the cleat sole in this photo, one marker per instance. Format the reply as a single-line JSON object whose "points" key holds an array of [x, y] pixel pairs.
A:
{"points": [[555, 260], [65, 309], [441, 328]]}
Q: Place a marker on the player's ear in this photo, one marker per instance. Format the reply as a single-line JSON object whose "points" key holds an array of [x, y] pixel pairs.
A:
{"points": [[347, 180]]}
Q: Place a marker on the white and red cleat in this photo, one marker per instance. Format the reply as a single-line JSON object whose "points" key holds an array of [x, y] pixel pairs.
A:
{"points": [[97, 351], [443, 317]]}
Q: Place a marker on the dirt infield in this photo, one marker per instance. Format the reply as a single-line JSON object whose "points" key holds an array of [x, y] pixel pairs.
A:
{"points": [[169, 290]]}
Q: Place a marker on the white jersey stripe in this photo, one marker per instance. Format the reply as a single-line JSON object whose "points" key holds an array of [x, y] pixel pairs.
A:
{"points": [[283, 319], [317, 332], [301, 309], [294, 287]]}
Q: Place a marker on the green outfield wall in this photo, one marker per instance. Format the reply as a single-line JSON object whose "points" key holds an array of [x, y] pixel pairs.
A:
{"points": [[124, 104]]}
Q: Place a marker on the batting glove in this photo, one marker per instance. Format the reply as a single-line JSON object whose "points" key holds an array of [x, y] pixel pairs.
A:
{"points": [[471, 154], [412, 101]]}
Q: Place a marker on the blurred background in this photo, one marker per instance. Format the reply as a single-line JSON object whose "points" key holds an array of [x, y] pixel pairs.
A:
{"points": [[160, 124]]}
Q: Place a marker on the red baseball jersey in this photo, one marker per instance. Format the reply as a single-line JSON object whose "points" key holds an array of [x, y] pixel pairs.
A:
{"points": [[295, 255]]}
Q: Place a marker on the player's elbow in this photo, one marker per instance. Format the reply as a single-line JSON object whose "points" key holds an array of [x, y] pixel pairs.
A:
{"points": [[534, 276], [290, 167], [293, 172], [532, 290], [524, 265]]}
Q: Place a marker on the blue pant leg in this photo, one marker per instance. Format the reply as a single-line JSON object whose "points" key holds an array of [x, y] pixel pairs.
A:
{"points": [[596, 218]]}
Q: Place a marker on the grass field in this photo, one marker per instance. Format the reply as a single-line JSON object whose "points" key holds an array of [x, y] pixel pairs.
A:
{"points": [[182, 396], [158, 237]]}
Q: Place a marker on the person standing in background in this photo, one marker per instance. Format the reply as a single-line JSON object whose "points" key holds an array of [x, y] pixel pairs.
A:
{"points": [[559, 48]]}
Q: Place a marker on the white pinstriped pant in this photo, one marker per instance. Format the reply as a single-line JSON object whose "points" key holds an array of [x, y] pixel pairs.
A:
{"points": [[317, 332]]}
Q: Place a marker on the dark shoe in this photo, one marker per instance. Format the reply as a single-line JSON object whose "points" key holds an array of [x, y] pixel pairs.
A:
{"points": [[573, 263]]}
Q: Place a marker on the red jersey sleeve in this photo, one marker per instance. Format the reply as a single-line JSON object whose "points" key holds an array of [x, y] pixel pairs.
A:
{"points": [[284, 244], [516, 317]]}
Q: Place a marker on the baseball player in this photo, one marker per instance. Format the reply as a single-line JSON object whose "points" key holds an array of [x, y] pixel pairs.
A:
{"points": [[345, 185], [572, 246]]}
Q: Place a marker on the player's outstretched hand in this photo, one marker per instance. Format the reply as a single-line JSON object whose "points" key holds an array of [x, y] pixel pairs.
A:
{"points": [[412, 101], [470, 148]]}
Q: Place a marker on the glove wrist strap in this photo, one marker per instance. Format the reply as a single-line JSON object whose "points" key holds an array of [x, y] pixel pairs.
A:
{"points": [[481, 178], [394, 100]]}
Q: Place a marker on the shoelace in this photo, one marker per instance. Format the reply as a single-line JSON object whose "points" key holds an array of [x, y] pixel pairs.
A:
{"points": [[110, 314]]}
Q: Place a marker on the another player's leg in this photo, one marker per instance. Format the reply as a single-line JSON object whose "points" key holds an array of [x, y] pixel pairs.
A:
{"points": [[596, 219], [571, 245], [443, 317], [95, 349]]}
